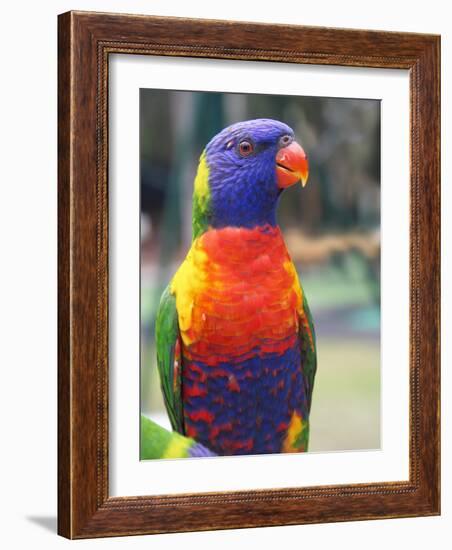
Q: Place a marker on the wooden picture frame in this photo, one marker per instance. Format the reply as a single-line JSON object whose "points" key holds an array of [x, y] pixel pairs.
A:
{"points": [[85, 42]]}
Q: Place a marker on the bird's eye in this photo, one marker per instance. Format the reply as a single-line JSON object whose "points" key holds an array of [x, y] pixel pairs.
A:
{"points": [[245, 148], [285, 140]]}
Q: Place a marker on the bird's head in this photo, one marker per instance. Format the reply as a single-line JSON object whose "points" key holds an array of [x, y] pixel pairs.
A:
{"points": [[243, 171]]}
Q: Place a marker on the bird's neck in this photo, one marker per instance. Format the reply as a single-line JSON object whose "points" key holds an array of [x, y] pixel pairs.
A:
{"points": [[241, 244], [237, 218], [243, 216]]}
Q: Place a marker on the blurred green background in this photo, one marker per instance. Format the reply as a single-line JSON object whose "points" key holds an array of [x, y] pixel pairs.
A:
{"points": [[331, 228]]}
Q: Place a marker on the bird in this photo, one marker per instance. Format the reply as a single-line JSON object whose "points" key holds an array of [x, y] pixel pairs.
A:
{"points": [[235, 338], [157, 442]]}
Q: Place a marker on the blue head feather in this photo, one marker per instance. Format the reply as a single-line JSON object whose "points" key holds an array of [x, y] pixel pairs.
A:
{"points": [[243, 190]]}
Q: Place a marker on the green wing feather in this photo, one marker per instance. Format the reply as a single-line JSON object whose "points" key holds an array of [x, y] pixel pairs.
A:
{"points": [[156, 442], [309, 347], [167, 338]]}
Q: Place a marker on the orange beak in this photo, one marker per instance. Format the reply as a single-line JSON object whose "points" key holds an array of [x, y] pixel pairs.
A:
{"points": [[291, 166]]}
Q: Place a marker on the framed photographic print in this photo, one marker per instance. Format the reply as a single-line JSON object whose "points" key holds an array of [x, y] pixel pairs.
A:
{"points": [[248, 275]]}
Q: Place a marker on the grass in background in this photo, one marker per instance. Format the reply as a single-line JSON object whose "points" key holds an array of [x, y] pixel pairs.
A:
{"points": [[346, 400]]}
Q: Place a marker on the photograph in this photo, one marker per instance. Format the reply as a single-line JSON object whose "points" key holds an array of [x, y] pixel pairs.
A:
{"points": [[260, 274], [248, 273], [224, 225]]}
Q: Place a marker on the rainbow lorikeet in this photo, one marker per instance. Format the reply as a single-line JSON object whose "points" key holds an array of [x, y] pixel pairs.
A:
{"points": [[235, 338], [156, 442]]}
